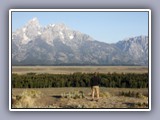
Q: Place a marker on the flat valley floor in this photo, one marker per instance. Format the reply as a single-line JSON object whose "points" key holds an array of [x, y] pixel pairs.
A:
{"points": [[73, 69]]}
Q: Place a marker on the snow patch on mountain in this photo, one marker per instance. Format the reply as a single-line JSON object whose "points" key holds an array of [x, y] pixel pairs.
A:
{"points": [[71, 37]]}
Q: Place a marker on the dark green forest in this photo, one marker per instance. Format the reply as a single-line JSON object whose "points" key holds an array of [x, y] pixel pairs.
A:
{"points": [[114, 80]]}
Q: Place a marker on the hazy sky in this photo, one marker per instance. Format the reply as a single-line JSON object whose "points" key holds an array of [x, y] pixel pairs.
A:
{"points": [[108, 27]]}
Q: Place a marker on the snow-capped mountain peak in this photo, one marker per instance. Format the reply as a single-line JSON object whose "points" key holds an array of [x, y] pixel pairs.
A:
{"points": [[33, 21], [54, 44], [60, 27]]}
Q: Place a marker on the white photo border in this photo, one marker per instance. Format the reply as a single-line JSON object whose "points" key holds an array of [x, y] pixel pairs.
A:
{"points": [[78, 10]]}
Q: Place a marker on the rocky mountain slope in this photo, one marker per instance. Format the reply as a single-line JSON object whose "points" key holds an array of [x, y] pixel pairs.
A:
{"points": [[57, 44]]}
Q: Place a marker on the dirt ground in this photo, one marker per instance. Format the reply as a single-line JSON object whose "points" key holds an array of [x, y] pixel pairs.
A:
{"points": [[62, 98]]}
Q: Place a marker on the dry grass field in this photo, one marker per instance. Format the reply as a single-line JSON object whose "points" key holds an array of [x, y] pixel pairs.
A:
{"points": [[79, 98], [83, 69]]}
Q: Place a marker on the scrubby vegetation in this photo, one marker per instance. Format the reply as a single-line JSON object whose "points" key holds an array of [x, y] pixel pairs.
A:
{"points": [[137, 105], [27, 99], [132, 94], [73, 94], [79, 98], [113, 80]]}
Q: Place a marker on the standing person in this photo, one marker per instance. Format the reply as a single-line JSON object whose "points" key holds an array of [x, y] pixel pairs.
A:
{"points": [[95, 81]]}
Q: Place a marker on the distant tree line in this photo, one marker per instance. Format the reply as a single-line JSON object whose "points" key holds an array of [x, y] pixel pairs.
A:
{"points": [[33, 80]]}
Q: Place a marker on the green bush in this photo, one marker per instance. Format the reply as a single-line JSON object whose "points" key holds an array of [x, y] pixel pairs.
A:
{"points": [[32, 80]]}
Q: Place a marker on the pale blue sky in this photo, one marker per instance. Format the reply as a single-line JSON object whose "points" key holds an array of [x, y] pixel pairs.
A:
{"points": [[108, 27]]}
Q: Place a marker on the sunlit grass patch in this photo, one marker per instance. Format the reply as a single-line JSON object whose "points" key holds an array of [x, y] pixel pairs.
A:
{"points": [[27, 99]]}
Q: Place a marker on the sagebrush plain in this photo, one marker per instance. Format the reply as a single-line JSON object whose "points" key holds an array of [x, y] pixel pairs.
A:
{"points": [[79, 97]]}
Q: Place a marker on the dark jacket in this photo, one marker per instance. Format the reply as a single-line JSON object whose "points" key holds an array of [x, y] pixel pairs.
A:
{"points": [[95, 81]]}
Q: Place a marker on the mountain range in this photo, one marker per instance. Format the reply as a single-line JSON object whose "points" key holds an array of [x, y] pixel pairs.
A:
{"points": [[57, 44]]}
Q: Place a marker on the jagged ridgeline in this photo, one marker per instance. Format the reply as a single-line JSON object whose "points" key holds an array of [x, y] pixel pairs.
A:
{"points": [[57, 44], [32, 80]]}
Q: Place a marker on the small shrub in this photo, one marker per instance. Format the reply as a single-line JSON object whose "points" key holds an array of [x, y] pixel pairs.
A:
{"points": [[74, 95], [105, 94], [31, 93], [132, 94], [26, 99], [140, 105], [140, 95], [18, 97]]}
